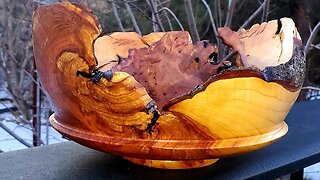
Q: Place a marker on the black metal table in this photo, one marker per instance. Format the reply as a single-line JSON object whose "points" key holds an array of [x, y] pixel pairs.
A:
{"points": [[298, 149]]}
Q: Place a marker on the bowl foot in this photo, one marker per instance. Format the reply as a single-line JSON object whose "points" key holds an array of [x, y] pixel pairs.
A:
{"points": [[172, 164]]}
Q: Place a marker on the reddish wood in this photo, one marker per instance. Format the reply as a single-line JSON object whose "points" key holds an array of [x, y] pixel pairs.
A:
{"points": [[234, 111], [171, 66]]}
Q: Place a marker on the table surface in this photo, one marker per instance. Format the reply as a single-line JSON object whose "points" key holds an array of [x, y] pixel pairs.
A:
{"points": [[298, 149]]}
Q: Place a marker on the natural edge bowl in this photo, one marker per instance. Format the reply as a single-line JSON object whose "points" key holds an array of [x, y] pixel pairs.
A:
{"points": [[234, 111]]}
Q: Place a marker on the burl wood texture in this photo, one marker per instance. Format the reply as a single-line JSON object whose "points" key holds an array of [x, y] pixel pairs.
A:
{"points": [[231, 113], [172, 66]]}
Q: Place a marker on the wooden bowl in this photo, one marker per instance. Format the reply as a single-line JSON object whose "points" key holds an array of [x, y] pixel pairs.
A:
{"points": [[162, 103]]}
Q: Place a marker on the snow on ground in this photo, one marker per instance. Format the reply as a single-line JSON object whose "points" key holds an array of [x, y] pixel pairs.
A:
{"points": [[312, 172], [9, 143], [9, 119], [6, 104], [313, 94]]}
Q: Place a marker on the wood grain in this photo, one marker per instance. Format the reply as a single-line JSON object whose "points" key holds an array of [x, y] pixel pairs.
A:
{"points": [[113, 47], [266, 44], [232, 112], [172, 66]]}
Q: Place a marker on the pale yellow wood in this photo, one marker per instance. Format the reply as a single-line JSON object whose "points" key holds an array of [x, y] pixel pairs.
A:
{"points": [[152, 37], [266, 44], [107, 48], [231, 116], [239, 107]]}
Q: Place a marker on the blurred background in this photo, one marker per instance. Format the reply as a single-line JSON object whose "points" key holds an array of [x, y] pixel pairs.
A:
{"points": [[24, 108]]}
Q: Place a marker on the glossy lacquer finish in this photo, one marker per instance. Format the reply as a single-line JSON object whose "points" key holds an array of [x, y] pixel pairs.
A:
{"points": [[165, 102]]}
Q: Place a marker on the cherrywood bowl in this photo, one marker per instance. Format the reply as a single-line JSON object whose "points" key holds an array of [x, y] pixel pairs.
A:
{"points": [[160, 100]]}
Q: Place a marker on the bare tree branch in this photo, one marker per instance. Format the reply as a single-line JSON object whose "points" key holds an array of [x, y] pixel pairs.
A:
{"points": [[153, 6], [165, 14], [116, 15], [21, 104], [16, 136], [155, 27], [311, 88], [229, 56], [12, 42], [213, 24], [12, 69], [218, 12], [22, 73], [232, 4], [173, 15], [133, 19], [311, 38], [25, 70], [17, 117], [317, 46], [143, 13], [191, 21], [248, 21], [16, 56], [265, 11]]}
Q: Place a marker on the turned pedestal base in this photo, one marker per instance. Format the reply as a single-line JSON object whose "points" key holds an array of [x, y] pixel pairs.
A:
{"points": [[171, 164]]}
